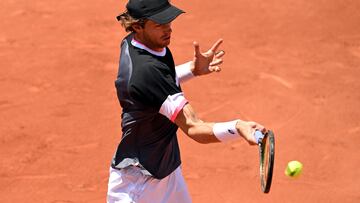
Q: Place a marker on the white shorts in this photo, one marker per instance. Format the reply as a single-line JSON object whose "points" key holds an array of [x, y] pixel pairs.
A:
{"points": [[130, 185]]}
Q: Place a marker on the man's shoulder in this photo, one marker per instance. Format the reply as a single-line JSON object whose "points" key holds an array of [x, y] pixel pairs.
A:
{"points": [[149, 73], [150, 69]]}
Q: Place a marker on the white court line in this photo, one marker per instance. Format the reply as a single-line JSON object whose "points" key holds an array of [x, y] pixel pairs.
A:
{"points": [[278, 79]]}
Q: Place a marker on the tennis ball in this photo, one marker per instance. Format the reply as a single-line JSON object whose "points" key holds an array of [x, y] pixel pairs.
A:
{"points": [[293, 169]]}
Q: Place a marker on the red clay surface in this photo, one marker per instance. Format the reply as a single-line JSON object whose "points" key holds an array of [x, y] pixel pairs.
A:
{"points": [[293, 66]]}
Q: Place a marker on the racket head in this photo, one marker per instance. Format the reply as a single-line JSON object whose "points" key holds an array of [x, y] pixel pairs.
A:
{"points": [[267, 155]]}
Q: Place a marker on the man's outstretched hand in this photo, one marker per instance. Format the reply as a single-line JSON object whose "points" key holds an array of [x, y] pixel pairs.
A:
{"points": [[207, 62]]}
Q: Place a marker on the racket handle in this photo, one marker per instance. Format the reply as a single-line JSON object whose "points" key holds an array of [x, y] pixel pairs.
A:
{"points": [[258, 136]]}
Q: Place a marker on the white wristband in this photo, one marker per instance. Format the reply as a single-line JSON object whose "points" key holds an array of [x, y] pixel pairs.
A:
{"points": [[226, 131], [183, 72]]}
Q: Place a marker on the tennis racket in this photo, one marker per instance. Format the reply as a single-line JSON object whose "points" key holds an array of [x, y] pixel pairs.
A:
{"points": [[266, 144]]}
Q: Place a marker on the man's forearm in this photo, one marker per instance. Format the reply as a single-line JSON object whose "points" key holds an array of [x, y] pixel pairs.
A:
{"points": [[209, 132], [205, 132]]}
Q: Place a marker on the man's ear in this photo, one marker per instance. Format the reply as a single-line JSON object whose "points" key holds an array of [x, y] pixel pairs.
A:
{"points": [[137, 27]]}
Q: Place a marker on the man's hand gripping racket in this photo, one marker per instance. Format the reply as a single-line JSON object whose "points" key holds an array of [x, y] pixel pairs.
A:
{"points": [[266, 144]]}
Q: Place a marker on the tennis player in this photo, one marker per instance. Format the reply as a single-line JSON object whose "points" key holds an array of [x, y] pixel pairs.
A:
{"points": [[146, 164]]}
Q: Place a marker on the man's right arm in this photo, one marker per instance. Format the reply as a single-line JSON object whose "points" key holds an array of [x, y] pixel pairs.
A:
{"points": [[203, 132]]}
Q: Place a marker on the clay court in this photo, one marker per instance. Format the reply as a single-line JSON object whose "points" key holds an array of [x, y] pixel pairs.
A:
{"points": [[293, 66]]}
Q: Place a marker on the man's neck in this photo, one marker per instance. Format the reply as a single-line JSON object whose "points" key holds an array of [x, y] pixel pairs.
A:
{"points": [[147, 44], [140, 45]]}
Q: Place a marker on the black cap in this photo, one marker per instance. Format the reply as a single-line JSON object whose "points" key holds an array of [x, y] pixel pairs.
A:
{"points": [[159, 11]]}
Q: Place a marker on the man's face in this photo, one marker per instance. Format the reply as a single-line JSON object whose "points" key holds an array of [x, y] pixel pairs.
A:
{"points": [[155, 36]]}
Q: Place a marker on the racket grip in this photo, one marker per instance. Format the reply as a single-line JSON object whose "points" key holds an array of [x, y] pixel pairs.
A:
{"points": [[258, 136]]}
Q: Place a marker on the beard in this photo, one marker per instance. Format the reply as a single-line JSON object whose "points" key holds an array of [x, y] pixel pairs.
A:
{"points": [[157, 43]]}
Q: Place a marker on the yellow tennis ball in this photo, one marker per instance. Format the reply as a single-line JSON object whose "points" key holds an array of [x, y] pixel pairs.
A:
{"points": [[293, 169]]}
